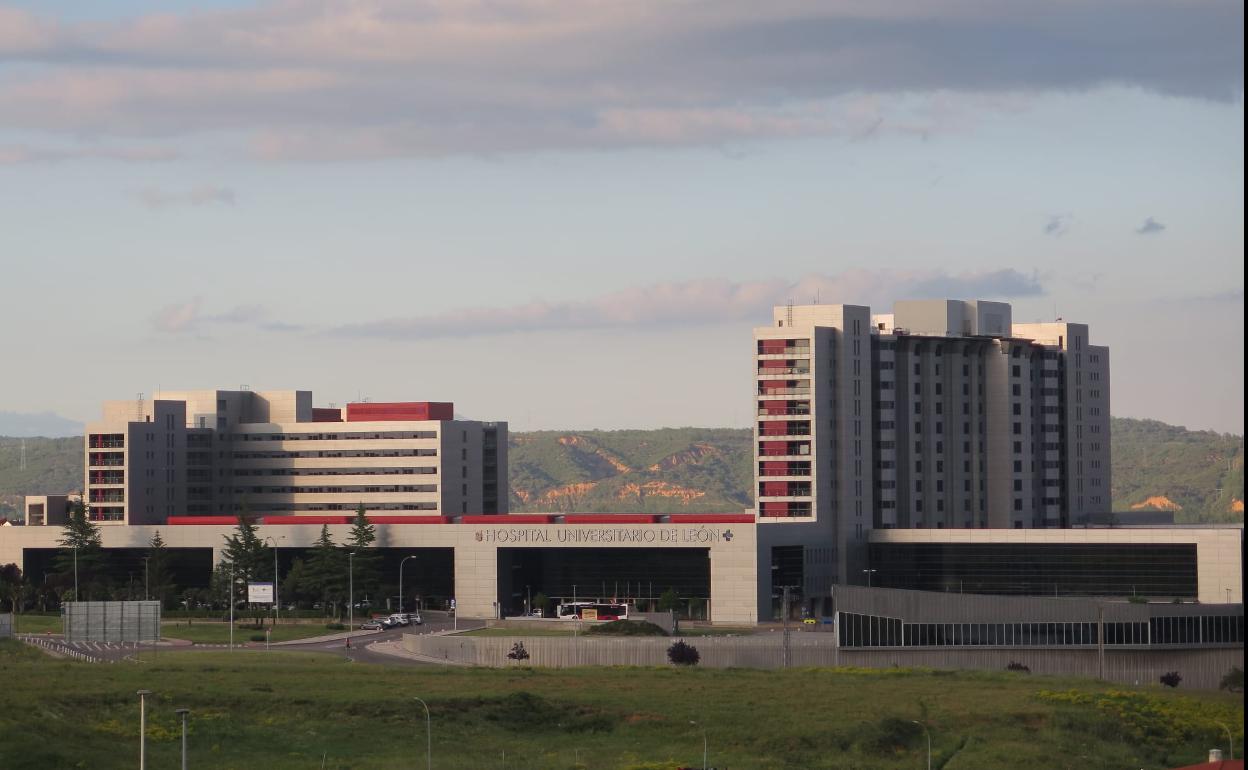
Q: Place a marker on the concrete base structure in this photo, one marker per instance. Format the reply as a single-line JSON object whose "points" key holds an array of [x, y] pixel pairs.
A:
{"points": [[729, 547]]}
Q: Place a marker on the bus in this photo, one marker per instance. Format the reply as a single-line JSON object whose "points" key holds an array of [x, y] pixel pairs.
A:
{"points": [[592, 611]]}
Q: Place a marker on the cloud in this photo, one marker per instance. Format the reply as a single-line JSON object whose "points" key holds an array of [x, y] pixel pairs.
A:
{"points": [[188, 318], [1058, 225], [701, 301], [1150, 227], [331, 79], [204, 195], [15, 154]]}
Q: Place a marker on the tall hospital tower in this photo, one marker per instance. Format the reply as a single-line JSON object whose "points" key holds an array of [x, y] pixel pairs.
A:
{"points": [[941, 414]]}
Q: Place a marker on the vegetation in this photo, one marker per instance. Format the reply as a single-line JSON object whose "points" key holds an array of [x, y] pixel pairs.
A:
{"points": [[628, 628], [1171, 679], [1200, 472], [366, 563], [683, 654], [282, 710], [81, 560], [1233, 681]]}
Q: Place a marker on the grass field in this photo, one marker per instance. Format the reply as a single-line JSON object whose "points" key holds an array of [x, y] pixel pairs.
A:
{"points": [[208, 632], [288, 710]]}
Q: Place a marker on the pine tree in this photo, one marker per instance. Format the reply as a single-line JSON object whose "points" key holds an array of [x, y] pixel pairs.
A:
{"points": [[245, 552], [80, 546], [326, 570], [367, 559], [159, 576]]}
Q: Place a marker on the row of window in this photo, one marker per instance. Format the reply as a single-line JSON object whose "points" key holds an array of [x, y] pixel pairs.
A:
{"points": [[336, 436], [857, 630]]}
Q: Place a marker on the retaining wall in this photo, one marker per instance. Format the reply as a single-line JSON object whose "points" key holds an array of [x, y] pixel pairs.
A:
{"points": [[1200, 669]]}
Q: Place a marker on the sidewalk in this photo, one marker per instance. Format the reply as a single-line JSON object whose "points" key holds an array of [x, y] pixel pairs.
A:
{"points": [[395, 649]]}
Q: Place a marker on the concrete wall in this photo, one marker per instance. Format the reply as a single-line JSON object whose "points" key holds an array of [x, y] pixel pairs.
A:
{"points": [[1200, 669]]}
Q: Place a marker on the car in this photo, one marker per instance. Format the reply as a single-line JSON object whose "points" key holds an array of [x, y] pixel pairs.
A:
{"points": [[809, 621], [372, 625], [400, 619], [538, 613]]}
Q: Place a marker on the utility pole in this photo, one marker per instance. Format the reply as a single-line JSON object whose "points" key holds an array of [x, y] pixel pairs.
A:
{"points": [[1100, 640], [231, 606], [786, 658], [143, 728], [183, 713]]}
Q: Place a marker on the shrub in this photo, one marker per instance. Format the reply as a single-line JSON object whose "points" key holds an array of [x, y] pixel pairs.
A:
{"points": [[257, 637], [628, 628], [336, 626], [683, 654], [1171, 679], [1233, 681], [1016, 666], [518, 652], [1137, 600]]}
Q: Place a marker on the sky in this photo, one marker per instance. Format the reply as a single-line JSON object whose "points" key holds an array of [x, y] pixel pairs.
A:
{"points": [[571, 213]]}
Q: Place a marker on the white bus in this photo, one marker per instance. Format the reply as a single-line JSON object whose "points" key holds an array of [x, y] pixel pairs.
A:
{"points": [[592, 611]]}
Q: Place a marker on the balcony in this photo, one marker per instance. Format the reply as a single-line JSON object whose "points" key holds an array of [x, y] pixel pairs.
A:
{"points": [[783, 448], [794, 347], [784, 388], [107, 441], [779, 368], [781, 429], [771, 468], [784, 510], [108, 496], [108, 477], [784, 489], [107, 459]]}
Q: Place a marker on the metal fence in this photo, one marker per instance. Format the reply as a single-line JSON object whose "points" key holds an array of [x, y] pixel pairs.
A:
{"points": [[6, 625], [112, 621], [1201, 669]]}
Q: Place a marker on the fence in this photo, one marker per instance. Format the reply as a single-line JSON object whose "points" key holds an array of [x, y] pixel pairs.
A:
{"points": [[112, 621], [1201, 669], [6, 625]]}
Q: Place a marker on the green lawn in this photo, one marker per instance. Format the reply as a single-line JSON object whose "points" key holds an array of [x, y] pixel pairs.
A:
{"points": [[283, 710], [37, 624], [210, 632]]}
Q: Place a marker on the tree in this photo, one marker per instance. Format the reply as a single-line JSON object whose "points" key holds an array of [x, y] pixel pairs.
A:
{"points": [[159, 577], [669, 601], [683, 654], [1233, 681], [245, 552], [1171, 679], [367, 560], [325, 570], [81, 551], [12, 586], [541, 602]]}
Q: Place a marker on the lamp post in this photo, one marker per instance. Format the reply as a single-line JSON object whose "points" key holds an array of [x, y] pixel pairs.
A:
{"points": [[183, 713], [428, 733], [704, 752], [869, 573], [147, 589], [143, 728], [350, 595], [277, 603], [231, 605], [1231, 738], [929, 742], [401, 562], [75, 573]]}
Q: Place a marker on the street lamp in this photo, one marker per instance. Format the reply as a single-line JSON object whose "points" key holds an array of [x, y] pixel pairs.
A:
{"points": [[401, 562], [350, 595], [183, 713], [143, 728], [869, 573], [277, 604], [929, 742], [704, 753], [147, 591], [1230, 737], [76, 573], [428, 734]]}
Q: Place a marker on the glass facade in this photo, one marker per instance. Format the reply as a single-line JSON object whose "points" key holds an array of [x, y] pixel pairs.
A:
{"points": [[1038, 569], [858, 630]]}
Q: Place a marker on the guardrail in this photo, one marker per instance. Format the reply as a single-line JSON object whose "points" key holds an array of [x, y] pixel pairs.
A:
{"points": [[60, 648]]}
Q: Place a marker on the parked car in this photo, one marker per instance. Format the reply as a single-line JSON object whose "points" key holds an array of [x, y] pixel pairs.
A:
{"points": [[537, 613], [372, 625], [401, 619]]}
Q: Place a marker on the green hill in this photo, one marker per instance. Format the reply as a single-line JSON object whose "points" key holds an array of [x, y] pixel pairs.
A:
{"points": [[1198, 474]]}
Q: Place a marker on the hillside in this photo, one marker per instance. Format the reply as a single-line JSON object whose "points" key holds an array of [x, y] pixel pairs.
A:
{"points": [[1198, 474]]}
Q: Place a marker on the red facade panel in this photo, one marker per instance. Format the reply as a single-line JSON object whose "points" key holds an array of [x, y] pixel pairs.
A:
{"points": [[184, 520], [400, 411], [510, 518], [410, 519], [308, 519], [711, 518]]}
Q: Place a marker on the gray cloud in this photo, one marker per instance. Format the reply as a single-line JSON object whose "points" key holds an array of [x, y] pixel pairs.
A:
{"points": [[700, 302], [188, 318], [1150, 227], [203, 195], [327, 79], [1058, 225]]}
